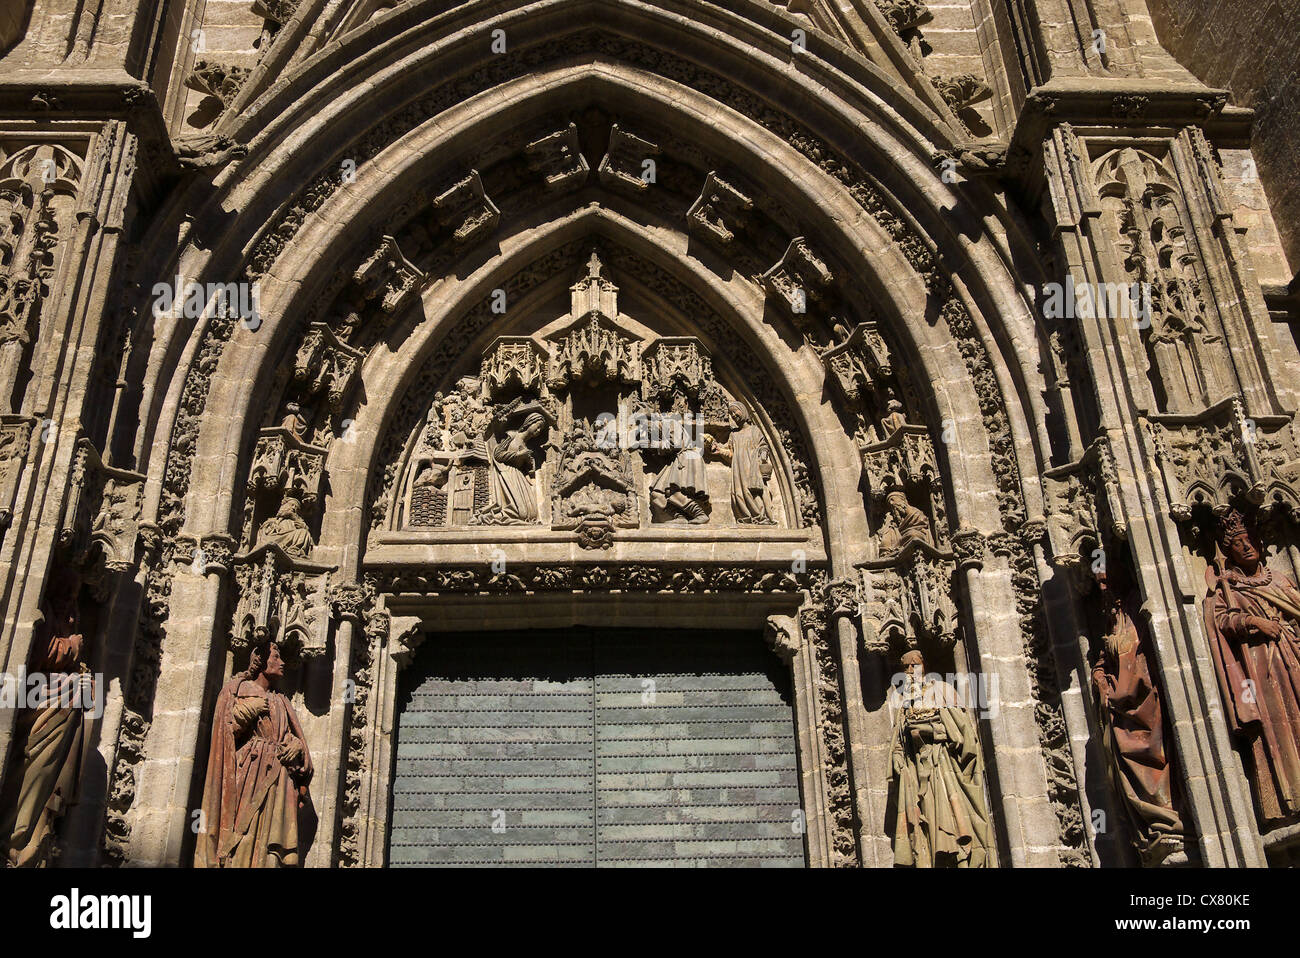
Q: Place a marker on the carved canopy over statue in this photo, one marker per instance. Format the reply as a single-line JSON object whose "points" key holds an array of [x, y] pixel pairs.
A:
{"points": [[592, 425]]}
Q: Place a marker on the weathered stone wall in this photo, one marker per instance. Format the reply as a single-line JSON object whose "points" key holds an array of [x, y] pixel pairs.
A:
{"points": [[1252, 49]]}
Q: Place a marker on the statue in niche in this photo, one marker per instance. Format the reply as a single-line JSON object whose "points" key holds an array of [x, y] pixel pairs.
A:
{"points": [[894, 419], [905, 523], [50, 735], [751, 467], [1252, 615], [510, 470], [1133, 723], [294, 421], [288, 530], [938, 779], [258, 772], [680, 490]]}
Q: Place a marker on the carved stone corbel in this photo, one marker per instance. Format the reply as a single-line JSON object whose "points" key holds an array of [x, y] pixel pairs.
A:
{"points": [[783, 636], [103, 510], [904, 15], [884, 619], [720, 212], [798, 277], [405, 635], [624, 164], [467, 210], [388, 278], [1212, 458], [558, 157], [961, 91], [1082, 502], [278, 603], [283, 463]]}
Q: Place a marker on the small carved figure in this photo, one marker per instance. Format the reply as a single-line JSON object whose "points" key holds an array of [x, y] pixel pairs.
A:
{"points": [[50, 734], [938, 778], [751, 468], [1132, 719], [294, 422], [258, 772], [680, 489], [1253, 617], [510, 468], [288, 530], [909, 524], [894, 418]]}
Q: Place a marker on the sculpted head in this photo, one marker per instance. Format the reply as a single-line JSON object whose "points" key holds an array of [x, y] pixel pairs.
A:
{"points": [[266, 662], [898, 504], [739, 414], [913, 664], [534, 423], [1236, 542]]}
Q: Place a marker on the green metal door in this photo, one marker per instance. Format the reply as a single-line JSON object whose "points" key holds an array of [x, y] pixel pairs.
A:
{"points": [[596, 747]]}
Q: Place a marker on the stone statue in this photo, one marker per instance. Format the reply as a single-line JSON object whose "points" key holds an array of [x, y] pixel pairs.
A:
{"points": [[680, 489], [894, 419], [50, 733], [288, 530], [938, 779], [258, 772], [1252, 615], [1133, 725], [510, 467], [751, 467], [294, 421], [909, 524]]}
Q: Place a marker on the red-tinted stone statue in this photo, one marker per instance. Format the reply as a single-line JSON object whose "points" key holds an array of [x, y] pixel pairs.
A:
{"points": [[1252, 614], [1133, 723], [258, 772], [50, 730]]}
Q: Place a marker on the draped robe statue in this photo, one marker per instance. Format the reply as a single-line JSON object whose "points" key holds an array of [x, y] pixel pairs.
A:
{"points": [[1252, 615], [938, 778], [910, 524], [681, 487], [510, 460], [1133, 728], [751, 467], [258, 771], [50, 735], [288, 529]]}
